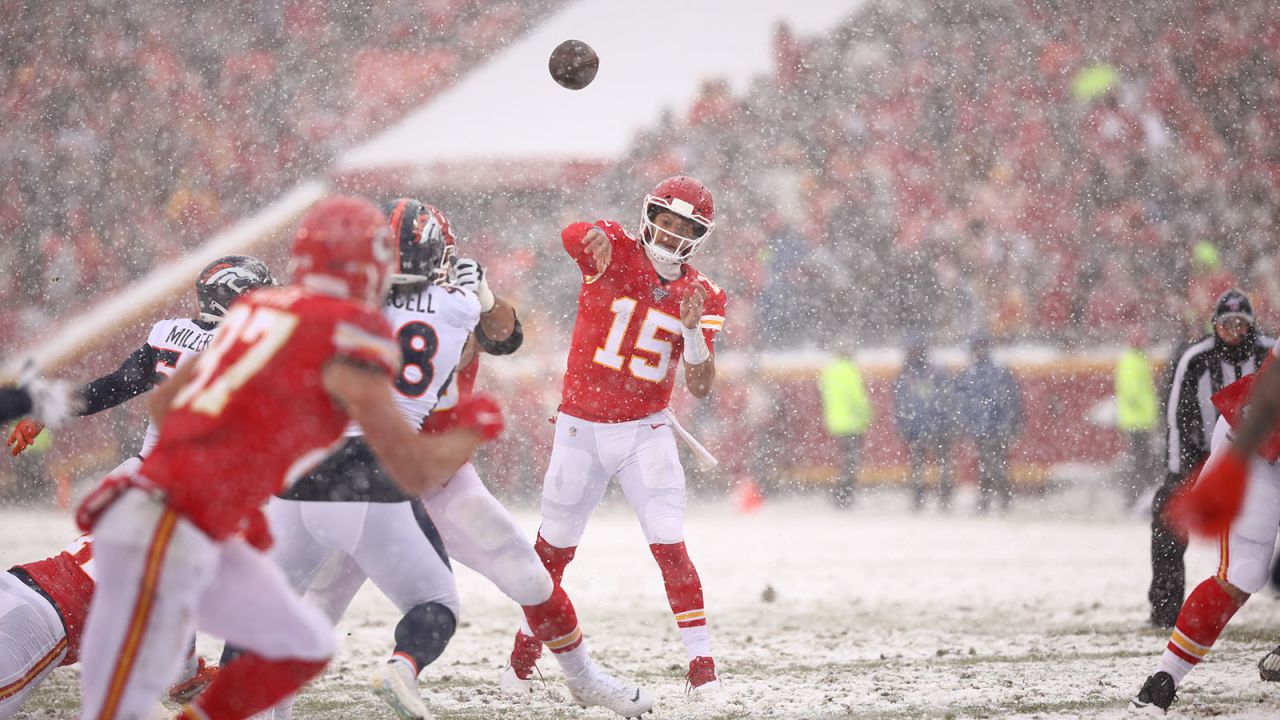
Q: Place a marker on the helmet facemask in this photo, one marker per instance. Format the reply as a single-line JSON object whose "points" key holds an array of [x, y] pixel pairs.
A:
{"points": [[687, 245]]}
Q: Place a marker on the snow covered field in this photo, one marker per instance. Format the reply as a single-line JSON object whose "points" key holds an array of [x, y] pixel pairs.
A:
{"points": [[875, 613]]}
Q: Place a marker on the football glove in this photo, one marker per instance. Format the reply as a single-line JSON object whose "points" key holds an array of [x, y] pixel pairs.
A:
{"points": [[52, 401], [23, 435], [481, 413], [1206, 505], [469, 274]]}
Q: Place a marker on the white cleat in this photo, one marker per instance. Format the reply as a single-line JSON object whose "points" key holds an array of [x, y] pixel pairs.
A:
{"points": [[398, 688], [706, 691], [509, 683], [595, 687]]}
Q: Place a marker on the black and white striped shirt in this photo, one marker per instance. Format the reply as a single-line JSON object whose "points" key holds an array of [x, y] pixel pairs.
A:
{"points": [[1203, 369]]}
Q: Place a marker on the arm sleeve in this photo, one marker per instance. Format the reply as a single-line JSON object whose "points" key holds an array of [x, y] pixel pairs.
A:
{"points": [[14, 403], [501, 347], [136, 375]]}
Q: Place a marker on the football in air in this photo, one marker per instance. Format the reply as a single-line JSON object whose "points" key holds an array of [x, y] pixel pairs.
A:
{"points": [[573, 64]]}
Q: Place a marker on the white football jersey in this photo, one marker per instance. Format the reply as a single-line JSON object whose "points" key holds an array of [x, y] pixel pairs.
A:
{"points": [[432, 328], [176, 342]]}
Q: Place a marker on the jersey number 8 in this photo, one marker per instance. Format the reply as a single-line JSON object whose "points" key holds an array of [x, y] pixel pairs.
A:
{"points": [[419, 345]]}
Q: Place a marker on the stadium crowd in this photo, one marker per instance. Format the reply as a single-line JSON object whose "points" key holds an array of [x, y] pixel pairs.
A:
{"points": [[1059, 171], [134, 130], [1045, 170]]}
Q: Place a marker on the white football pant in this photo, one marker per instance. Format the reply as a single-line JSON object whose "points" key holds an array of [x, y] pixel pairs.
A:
{"points": [[159, 579], [641, 453], [387, 543], [1244, 554], [478, 531], [32, 642]]}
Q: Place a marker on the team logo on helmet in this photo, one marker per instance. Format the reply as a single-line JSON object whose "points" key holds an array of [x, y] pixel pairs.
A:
{"points": [[423, 240], [224, 280]]}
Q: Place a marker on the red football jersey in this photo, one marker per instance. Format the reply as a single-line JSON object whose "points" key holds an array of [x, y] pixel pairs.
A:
{"points": [[67, 578], [1232, 401], [464, 383], [256, 416], [627, 340]]}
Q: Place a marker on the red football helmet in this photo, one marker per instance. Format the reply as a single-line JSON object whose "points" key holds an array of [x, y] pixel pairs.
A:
{"points": [[687, 198], [424, 243], [341, 249]]}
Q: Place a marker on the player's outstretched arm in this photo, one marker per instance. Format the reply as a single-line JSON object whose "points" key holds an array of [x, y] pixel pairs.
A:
{"points": [[416, 463], [136, 375]]}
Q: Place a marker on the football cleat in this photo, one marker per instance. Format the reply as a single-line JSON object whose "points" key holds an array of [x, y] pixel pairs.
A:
{"points": [[701, 679], [510, 682], [183, 691], [396, 684], [593, 687], [1269, 666], [1156, 695]]}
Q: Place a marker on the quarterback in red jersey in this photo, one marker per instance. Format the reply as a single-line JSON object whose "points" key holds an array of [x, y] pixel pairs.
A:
{"points": [[641, 309], [266, 402]]}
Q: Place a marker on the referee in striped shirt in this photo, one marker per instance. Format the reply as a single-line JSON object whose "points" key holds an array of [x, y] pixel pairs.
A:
{"points": [[1234, 349]]}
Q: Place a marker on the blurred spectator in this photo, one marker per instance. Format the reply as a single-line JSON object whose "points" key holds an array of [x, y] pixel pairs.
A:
{"points": [[1137, 414], [924, 411], [846, 412], [990, 412]]}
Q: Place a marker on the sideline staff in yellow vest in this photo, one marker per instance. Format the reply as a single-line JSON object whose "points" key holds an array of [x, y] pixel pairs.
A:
{"points": [[847, 415], [1137, 414]]}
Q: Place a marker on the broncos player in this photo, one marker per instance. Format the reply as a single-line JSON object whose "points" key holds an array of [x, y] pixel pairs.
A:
{"points": [[434, 321]]}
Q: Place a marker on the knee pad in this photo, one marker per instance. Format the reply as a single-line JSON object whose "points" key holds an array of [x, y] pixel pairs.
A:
{"points": [[424, 632], [561, 525], [1248, 564], [662, 518]]}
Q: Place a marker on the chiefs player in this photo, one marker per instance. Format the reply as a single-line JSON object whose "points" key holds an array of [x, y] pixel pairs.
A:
{"points": [[267, 401], [476, 529], [641, 309]]}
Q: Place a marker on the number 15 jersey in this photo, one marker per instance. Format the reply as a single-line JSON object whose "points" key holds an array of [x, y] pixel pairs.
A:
{"points": [[627, 339]]}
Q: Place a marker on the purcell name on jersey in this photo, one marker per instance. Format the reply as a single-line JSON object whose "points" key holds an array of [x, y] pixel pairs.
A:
{"points": [[431, 327], [627, 339]]}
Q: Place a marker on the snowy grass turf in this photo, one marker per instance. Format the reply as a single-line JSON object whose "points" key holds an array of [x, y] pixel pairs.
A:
{"points": [[876, 613]]}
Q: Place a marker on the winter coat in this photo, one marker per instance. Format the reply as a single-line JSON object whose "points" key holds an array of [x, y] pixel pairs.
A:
{"points": [[989, 403], [924, 403]]}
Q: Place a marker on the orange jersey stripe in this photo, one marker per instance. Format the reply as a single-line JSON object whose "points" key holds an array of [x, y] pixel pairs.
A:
{"points": [[50, 657], [1224, 554], [141, 613]]}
